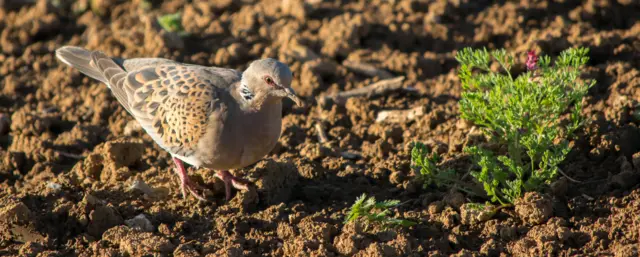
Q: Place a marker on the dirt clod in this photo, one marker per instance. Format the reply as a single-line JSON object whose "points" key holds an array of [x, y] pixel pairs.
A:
{"points": [[14, 212], [101, 219], [628, 175], [534, 208], [140, 243], [454, 199], [276, 180]]}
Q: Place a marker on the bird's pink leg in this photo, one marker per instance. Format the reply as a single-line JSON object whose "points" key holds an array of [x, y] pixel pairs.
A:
{"points": [[232, 181], [185, 182]]}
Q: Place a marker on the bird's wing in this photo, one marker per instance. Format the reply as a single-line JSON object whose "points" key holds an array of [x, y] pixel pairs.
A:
{"points": [[229, 76], [139, 63], [173, 102]]}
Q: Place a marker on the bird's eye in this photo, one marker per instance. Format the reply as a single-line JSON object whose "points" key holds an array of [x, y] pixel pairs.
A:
{"points": [[269, 80]]}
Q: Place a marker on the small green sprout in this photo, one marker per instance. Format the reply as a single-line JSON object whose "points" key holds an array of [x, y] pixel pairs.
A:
{"points": [[172, 23], [146, 4], [375, 212], [427, 163], [524, 114]]}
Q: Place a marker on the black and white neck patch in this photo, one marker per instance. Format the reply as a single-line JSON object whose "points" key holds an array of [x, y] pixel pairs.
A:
{"points": [[246, 94]]}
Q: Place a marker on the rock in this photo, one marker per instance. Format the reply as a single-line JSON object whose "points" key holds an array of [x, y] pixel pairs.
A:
{"points": [[534, 208], [54, 186], [140, 222], [142, 187]]}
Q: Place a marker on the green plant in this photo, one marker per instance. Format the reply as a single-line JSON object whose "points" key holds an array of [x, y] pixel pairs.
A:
{"points": [[375, 212], [522, 117], [172, 23], [426, 162]]}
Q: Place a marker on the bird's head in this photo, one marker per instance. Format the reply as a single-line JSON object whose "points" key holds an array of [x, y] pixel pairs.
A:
{"points": [[268, 78]]}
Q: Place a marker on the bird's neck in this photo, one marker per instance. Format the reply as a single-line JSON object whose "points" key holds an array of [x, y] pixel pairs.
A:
{"points": [[251, 100]]}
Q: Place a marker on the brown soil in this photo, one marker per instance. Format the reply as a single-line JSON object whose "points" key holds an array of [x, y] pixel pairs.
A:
{"points": [[69, 154]]}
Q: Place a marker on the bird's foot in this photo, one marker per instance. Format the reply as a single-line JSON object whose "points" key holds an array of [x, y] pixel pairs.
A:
{"points": [[185, 182], [188, 185], [232, 181]]}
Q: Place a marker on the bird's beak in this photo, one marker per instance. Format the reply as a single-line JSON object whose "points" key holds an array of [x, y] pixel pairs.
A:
{"points": [[292, 95]]}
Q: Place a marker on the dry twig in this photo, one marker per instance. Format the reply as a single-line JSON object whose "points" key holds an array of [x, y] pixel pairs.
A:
{"points": [[569, 178], [70, 155], [401, 116], [379, 88], [322, 136]]}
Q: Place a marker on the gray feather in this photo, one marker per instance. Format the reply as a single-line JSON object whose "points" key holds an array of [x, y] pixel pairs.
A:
{"points": [[80, 59]]}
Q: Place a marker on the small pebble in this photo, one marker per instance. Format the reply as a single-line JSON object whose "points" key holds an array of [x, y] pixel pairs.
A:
{"points": [[54, 186], [140, 222], [142, 186]]}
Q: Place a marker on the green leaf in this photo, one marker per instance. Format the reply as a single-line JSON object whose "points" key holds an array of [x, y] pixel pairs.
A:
{"points": [[375, 212], [172, 23]]}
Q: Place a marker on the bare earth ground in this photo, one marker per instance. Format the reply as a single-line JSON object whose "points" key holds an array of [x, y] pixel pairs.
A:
{"points": [[72, 153]]}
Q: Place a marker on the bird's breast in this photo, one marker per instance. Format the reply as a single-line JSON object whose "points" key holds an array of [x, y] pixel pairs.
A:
{"points": [[262, 133], [245, 139]]}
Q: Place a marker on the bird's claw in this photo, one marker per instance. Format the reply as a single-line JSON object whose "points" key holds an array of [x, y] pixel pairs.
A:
{"points": [[232, 181], [187, 185]]}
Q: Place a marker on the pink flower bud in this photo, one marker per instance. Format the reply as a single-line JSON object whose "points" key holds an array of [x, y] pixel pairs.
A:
{"points": [[532, 60]]}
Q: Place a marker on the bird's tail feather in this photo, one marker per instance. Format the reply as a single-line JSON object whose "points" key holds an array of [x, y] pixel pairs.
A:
{"points": [[80, 59], [97, 65]]}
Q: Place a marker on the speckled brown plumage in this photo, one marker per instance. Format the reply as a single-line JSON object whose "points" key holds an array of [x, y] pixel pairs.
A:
{"points": [[173, 104]]}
